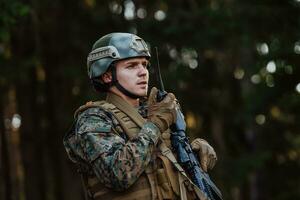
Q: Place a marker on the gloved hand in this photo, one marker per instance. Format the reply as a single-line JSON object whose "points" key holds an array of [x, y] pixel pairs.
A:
{"points": [[163, 113], [206, 153]]}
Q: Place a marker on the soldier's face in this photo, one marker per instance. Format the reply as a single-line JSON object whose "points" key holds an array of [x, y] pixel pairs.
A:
{"points": [[133, 75]]}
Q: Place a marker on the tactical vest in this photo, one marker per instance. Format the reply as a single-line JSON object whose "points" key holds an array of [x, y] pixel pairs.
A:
{"points": [[162, 179]]}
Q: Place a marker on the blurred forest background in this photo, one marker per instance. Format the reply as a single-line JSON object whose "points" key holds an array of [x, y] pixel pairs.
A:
{"points": [[233, 64]]}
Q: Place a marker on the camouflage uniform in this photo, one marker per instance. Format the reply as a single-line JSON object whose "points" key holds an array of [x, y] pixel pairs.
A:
{"points": [[100, 141]]}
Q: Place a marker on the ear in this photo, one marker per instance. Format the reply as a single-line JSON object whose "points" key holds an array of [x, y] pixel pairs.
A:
{"points": [[106, 77]]}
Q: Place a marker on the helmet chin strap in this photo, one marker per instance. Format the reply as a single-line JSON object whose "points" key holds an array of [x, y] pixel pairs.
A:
{"points": [[120, 87]]}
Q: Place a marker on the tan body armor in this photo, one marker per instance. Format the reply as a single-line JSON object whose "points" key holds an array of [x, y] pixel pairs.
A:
{"points": [[163, 178]]}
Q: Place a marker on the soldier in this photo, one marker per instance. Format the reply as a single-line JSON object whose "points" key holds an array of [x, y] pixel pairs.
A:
{"points": [[120, 144]]}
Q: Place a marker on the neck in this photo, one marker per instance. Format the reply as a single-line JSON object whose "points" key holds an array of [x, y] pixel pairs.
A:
{"points": [[131, 101]]}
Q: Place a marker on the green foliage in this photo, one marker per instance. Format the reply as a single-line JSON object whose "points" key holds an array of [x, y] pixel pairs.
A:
{"points": [[11, 12]]}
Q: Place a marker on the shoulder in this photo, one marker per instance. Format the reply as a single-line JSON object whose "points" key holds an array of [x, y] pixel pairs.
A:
{"points": [[93, 119]]}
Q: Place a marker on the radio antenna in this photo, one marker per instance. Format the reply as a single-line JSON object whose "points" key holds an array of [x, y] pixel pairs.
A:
{"points": [[158, 74]]}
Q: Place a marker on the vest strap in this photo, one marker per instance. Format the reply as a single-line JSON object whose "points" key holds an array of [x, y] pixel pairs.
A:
{"points": [[153, 182], [126, 108]]}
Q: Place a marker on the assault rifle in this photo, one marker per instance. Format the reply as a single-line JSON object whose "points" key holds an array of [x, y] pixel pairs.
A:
{"points": [[182, 147]]}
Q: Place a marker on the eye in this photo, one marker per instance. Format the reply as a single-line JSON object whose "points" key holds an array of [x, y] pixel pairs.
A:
{"points": [[146, 65], [130, 66]]}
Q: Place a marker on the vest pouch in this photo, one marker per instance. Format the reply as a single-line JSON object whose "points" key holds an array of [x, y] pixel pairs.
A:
{"points": [[140, 190], [164, 185], [167, 178]]}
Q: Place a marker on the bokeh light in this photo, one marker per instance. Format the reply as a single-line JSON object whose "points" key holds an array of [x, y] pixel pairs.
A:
{"points": [[271, 67], [297, 47], [239, 73], [129, 12], [16, 121], [115, 7], [298, 88], [270, 80], [255, 79], [262, 49], [160, 15], [141, 13], [260, 119]]}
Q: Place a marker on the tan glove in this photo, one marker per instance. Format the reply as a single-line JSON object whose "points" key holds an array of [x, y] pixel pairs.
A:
{"points": [[163, 113], [206, 153]]}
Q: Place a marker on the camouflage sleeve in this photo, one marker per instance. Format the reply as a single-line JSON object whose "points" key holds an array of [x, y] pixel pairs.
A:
{"points": [[116, 162]]}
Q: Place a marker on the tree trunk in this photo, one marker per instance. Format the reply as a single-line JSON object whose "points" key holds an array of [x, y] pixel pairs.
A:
{"points": [[5, 173], [32, 139]]}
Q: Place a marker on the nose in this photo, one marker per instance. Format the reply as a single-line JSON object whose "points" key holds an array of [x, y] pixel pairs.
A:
{"points": [[142, 70]]}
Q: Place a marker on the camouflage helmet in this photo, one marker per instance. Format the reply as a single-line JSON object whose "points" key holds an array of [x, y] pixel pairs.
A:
{"points": [[114, 47]]}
